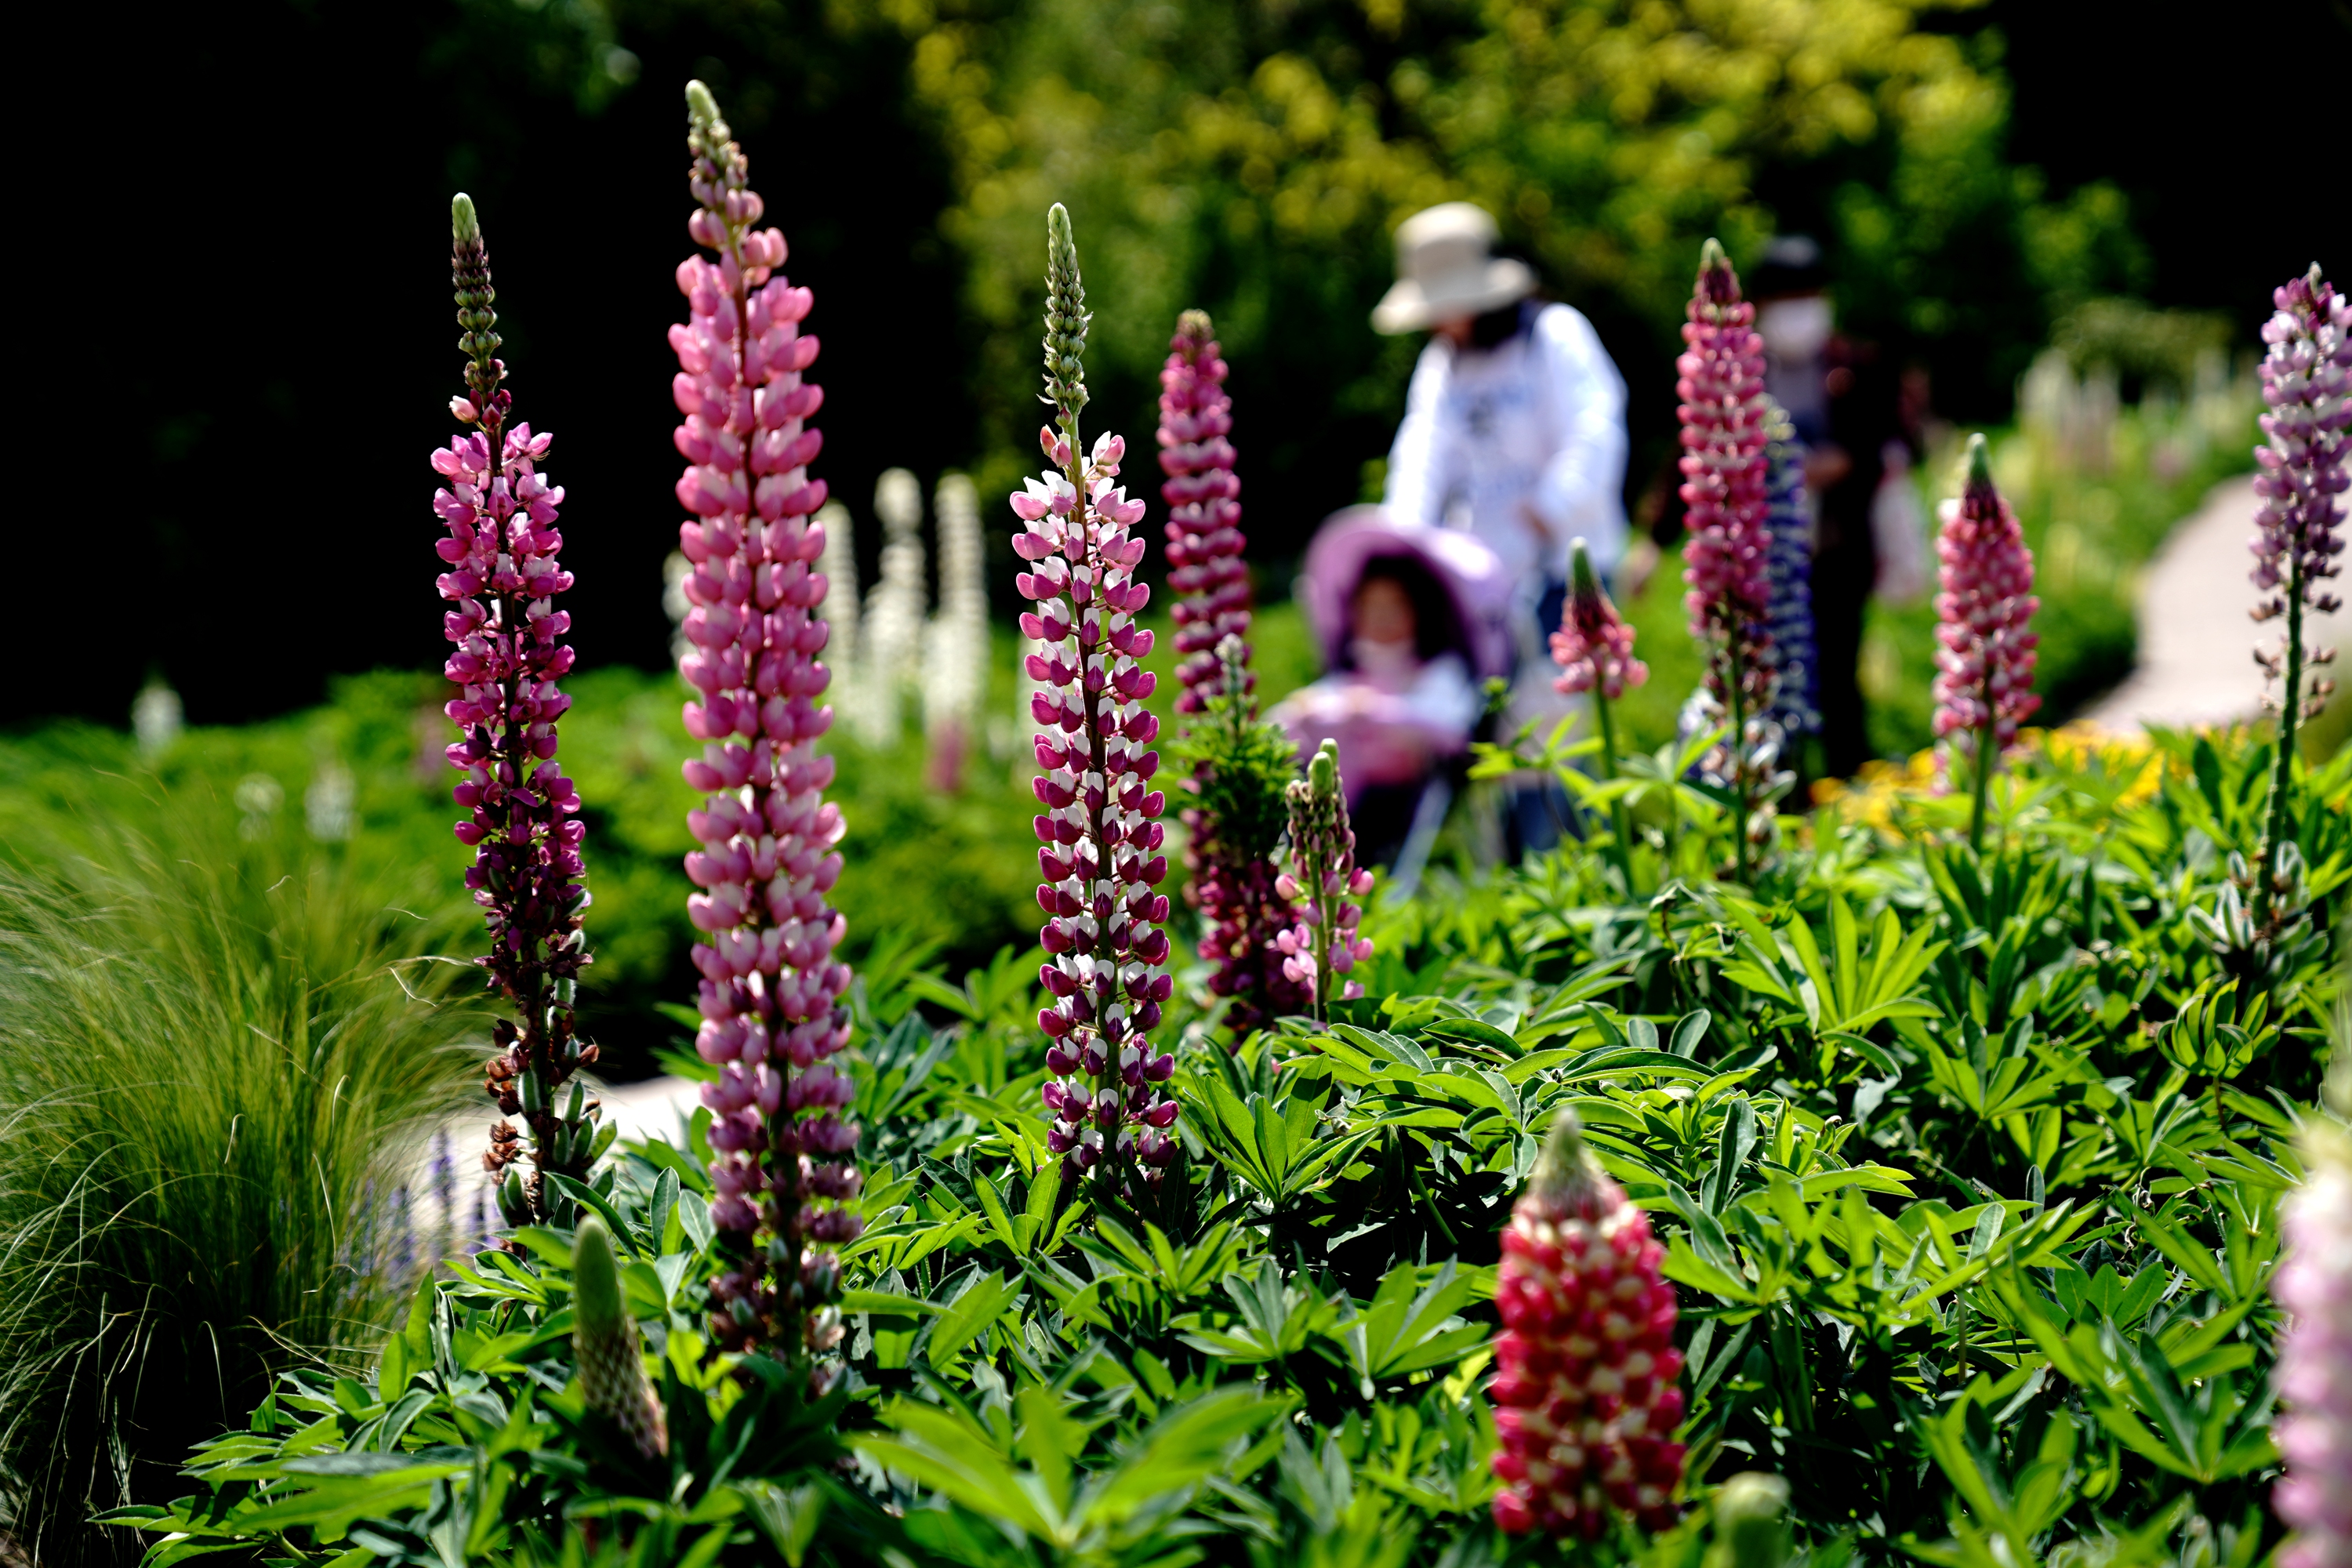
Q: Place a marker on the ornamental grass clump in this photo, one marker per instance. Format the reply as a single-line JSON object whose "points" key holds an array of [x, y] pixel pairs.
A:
{"points": [[1726, 424], [2314, 1368], [522, 823], [1984, 620], [1585, 1397], [1100, 836], [2307, 392], [772, 990], [1326, 886], [1594, 650]]}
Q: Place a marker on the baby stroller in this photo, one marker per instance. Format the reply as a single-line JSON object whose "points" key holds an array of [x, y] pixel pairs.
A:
{"points": [[1412, 622]]}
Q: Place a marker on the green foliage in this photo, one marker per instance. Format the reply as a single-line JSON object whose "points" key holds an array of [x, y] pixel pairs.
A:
{"points": [[1968, 1169]]}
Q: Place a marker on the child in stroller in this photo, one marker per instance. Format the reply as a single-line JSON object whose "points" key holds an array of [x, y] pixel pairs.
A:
{"points": [[1411, 621]]}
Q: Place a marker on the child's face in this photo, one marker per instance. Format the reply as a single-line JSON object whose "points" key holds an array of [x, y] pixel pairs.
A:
{"points": [[1384, 612]]}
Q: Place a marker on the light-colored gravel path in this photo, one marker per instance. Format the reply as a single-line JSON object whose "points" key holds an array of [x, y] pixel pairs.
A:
{"points": [[2196, 644]]}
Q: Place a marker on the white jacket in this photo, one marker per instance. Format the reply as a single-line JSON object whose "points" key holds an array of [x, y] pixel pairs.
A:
{"points": [[1539, 420]]}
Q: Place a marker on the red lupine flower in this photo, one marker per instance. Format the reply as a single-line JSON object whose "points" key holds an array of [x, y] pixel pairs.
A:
{"points": [[1585, 1395]]}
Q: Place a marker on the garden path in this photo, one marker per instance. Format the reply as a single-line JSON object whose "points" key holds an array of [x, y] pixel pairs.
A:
{"points": [[2196, 661]]}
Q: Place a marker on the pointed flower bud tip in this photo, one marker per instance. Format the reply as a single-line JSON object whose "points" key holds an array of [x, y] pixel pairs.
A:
{"points": [[1980, 462], [1711, 254], [1747, 1509], [1580, 575], [595, 1278], [1323, 773], [700, 107], [463, 226]]}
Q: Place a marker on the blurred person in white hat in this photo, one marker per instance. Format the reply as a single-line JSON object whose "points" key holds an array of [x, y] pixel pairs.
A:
{"points": [[1514, 424], [1513, 429]]}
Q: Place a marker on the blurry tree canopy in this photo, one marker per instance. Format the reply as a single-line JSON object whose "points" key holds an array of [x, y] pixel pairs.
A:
{"points": [[1249, 156], [1254, 158]]}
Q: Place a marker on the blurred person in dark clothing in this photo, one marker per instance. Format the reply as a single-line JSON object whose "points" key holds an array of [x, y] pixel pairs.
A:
{"points": [[1848, 407]]}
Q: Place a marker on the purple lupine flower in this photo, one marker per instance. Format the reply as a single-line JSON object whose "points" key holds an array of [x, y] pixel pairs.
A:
{"points": [[1100, 838], [2315, 1366], [771, 992], [1984, 621], [1724, 415], [2307, 388], [1204, 537], [523, 821], [1324, 883], [1789, 582]]}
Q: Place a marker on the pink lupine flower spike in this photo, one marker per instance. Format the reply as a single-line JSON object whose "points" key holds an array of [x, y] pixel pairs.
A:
{"points": [[522, 820], [771, 1010], [1984, 681], [1099, 839], [2308, 426], [1725, 426]]}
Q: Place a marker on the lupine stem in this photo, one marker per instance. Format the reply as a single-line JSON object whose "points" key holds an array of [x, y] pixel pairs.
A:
{"points": [[1618, 824]]}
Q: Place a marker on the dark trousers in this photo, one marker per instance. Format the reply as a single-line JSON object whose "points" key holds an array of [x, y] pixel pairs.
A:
{"points": [[1843, 576]]}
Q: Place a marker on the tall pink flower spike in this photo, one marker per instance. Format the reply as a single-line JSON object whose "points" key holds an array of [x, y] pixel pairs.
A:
{"points": [[1984, 679], [772, 989], [521, 812], [1204, 537], [1100, 836], [1725, 427]]}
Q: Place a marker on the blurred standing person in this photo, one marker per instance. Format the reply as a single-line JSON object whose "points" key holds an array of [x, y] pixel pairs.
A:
{"points": [[1513, 429], [1848, 412]]}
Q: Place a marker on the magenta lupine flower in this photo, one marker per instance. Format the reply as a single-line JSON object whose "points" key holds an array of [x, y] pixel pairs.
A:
{"points": [[1323, 882], [1725, 429], [1593, 647], [2307, 388], [1100, 838], [2315, 1367], [522, 820], [1204, 537], [1232, 887], [771, 992], [1594, 650], [1984, 621], [1725, 426]]}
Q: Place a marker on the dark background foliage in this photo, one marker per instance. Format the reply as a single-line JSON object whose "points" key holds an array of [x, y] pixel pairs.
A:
{"points": [[248, 366]]}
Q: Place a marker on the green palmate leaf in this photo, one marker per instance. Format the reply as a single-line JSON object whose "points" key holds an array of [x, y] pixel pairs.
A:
{"points": [[968, 1315]]}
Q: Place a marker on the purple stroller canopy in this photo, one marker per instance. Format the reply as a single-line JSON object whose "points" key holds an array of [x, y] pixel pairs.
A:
{"points": [[1469, 572]]}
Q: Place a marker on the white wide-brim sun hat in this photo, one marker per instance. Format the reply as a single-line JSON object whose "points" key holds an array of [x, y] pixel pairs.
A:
{"points": [[1447, 268]]}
